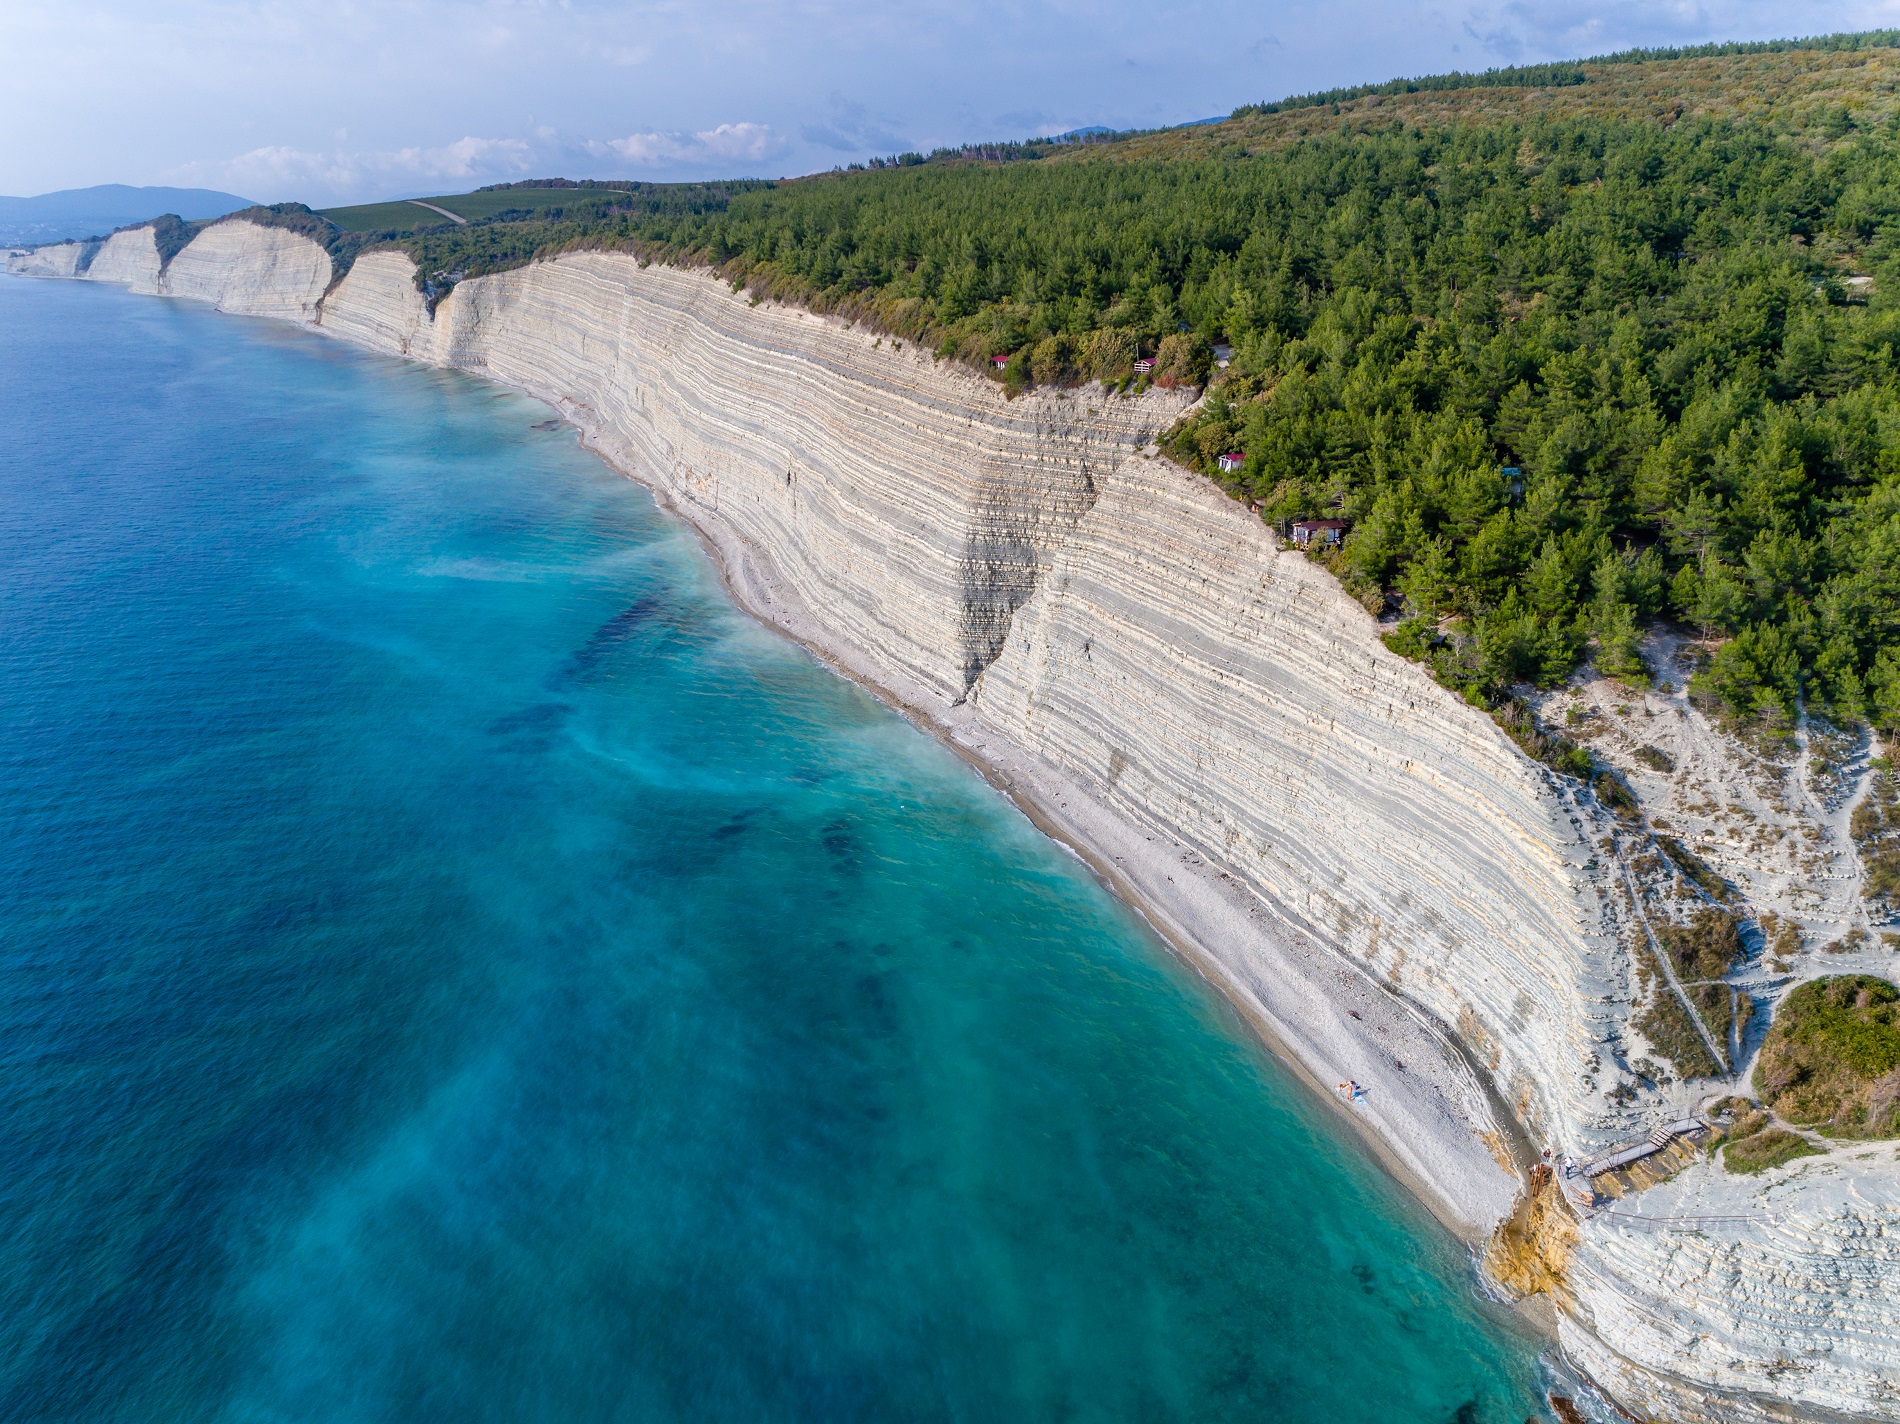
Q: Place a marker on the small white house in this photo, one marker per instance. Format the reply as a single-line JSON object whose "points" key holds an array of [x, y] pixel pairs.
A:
{"points": [[1231, 461], [1144, 365], [1000, 361]]}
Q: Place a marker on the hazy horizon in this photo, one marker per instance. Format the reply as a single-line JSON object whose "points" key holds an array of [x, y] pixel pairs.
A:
{"points": [[352, 104]]}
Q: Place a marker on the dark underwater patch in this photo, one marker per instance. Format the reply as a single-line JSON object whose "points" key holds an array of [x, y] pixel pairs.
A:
{"points": [[543, 719], [609, 636]]}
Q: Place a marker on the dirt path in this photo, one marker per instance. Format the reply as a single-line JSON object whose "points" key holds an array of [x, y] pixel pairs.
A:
{"points": [[452, 217], [1668, 969]]}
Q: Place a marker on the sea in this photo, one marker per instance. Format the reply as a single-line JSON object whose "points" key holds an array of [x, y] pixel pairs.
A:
{"points": [[455, 966]]}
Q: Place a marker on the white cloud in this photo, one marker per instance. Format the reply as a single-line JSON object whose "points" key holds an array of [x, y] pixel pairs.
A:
{"points": [[820, 81], [278, 170], [852, 128], [746, 142]]}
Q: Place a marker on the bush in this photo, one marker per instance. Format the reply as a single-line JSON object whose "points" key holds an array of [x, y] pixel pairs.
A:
{"points": [[1705, 948], [1614, 793], [1762, 1150], [1656, 759], [1875, 826], [1182, 360], [1832, 1057], [1108, 355], [1693, 866], [1052, 363], [1673, 1034]]}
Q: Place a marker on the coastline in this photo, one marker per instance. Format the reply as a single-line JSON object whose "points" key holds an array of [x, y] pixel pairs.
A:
{"points": [[730, 989], [1434, 1120], [1322, 1015], [1431, 1117], [1381, 884], [1212, 905]]}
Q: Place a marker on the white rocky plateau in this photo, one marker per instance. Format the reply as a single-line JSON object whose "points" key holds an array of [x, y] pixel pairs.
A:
{"points": [[1366, 866]]}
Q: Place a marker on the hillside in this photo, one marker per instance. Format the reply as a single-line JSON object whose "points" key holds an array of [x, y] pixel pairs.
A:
{"points": [[1569, 355], [93, 212], [1569, 349]]}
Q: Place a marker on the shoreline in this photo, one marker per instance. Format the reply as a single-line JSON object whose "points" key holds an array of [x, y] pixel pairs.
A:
{"points": [[1106, 843], [736, 564], [1271, 744], [1280, 976]]}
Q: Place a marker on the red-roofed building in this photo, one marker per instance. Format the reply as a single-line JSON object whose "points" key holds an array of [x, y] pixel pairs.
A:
{"points": [[1231, 461]]}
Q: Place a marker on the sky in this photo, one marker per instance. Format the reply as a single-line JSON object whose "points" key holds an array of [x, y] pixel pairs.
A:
{"points": [[346, 102]]}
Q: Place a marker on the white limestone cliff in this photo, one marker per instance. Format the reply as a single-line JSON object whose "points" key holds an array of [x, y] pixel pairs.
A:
{"points": [[1365, 864], [1748, 1298], [253, 270], [129, 257], [60, 259]]}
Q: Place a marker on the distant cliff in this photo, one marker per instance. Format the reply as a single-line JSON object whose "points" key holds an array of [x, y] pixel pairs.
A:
{"points": [[1365, 864]]}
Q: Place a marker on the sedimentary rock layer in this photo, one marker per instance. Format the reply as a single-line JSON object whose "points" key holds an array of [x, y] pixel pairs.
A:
{"points": [[254, 270], [129, 257], [62, 259], [1757, 1298]]}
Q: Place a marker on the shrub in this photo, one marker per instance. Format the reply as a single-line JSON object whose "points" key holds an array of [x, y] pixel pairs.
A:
{"points": [[1183, 359], [1656, 759], [1832, 1057], [1107, 355], [1672, 1033], [1693, 866], [1876, 830], [1705, 948], [1052, 363], [1614, 792], [1762, 1150]]}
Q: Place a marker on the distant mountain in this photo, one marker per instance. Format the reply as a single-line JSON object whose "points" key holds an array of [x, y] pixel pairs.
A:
{"points": [[93, 212]]}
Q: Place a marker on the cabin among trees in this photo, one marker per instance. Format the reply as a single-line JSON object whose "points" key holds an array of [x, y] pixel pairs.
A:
{"points": [[1307, 532]]}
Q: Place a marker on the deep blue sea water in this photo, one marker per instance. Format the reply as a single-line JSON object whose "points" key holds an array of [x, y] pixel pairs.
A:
{"points": [[455, 967]]}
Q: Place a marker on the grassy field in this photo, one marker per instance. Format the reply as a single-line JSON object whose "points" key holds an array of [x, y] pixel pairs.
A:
{"points": [[382, 217], [404, 216]]}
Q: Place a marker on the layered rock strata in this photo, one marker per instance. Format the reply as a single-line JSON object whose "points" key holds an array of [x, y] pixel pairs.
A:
{"points": [[1362, 862], [130, 258], [1749, 1298], [255, 270], [61, 259]]}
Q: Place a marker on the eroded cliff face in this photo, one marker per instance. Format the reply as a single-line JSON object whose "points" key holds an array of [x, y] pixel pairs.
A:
{"points": [[130, 258], [1712, 1296], [1364, 863], [252, 270], [63, 259], [1198, 678]]}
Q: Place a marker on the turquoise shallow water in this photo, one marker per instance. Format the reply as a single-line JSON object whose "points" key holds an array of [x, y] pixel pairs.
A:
{"points": [[454, 967]]}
